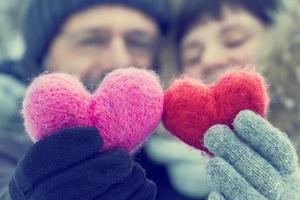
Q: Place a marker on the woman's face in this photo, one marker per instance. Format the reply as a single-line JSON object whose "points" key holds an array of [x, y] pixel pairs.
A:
{"points": [[214, 46]]}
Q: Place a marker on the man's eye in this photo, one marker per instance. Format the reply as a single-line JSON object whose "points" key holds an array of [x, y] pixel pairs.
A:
{"points": [[93, 42]]}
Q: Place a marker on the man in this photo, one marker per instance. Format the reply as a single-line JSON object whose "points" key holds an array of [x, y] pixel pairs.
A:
{"points": [[91, 43], [214, 36], [89, 39]]}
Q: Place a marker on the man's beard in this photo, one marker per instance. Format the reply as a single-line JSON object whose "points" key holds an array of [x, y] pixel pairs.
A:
{"points": [[91, 84]]}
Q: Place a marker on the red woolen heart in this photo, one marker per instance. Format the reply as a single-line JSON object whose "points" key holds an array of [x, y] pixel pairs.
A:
{"points": [[191, 107]]}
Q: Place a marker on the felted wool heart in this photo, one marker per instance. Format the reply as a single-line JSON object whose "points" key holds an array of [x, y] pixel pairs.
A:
{"points": [[126, 108], [191, 107]]}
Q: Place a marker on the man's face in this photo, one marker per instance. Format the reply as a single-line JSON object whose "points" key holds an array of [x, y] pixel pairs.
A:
{"points": [[214, 46], [100, 39]]}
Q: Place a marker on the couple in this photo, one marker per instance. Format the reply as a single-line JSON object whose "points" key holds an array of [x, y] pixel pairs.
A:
{"points": [[92, 37]]}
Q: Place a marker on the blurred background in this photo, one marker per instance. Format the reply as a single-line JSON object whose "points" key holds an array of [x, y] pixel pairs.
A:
{"points": [[11, 45]]}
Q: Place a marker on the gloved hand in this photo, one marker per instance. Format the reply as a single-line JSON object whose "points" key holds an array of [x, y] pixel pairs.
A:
{"points": [[69, 166], [257, 162]]}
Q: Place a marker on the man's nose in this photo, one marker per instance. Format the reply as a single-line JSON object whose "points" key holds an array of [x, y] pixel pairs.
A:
{"points": [[120, 56]]}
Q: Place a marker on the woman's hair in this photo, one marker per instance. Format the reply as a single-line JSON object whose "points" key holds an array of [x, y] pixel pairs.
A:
{"points": [[193, 10]]}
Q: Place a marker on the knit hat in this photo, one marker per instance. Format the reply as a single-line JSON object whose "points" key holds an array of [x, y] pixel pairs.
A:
{"points": [[43, 19]]}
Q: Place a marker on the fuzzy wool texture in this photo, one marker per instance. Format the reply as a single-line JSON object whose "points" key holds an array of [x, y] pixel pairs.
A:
{"points": [[126, 108], [254, 161], [191, 107]]}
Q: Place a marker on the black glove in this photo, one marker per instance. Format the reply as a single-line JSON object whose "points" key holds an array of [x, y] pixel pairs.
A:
{"points": [[69, 166]]}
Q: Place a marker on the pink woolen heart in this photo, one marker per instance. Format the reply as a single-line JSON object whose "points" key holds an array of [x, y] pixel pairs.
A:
{"points": [[191, 107], [126, 108]]}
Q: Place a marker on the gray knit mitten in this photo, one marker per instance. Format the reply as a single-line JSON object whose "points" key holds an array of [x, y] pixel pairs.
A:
{"points": [[254, 162]]}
